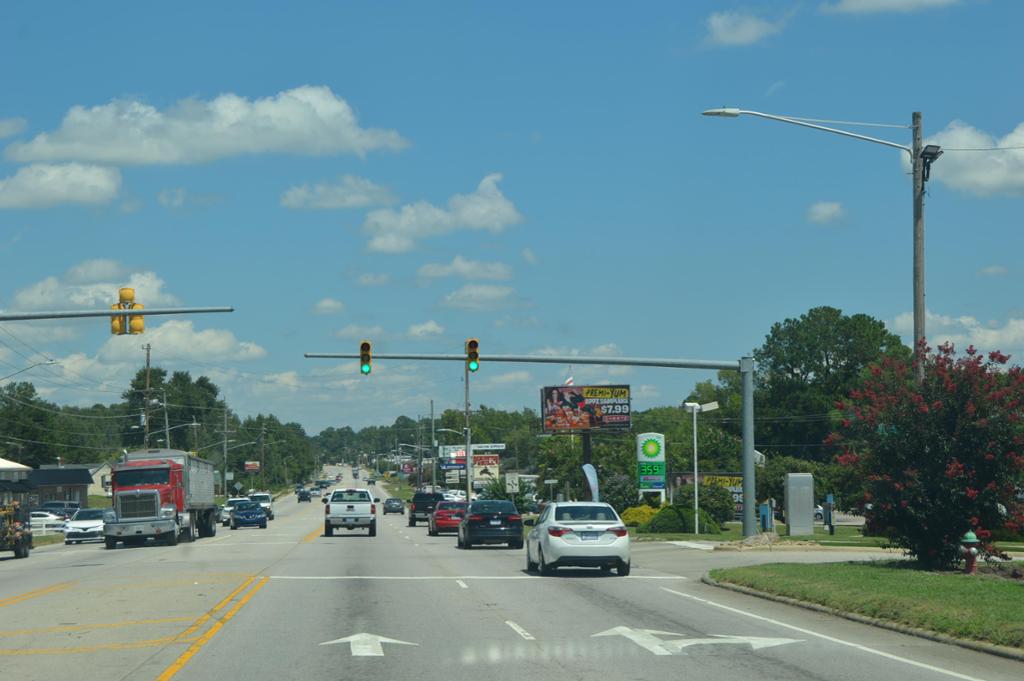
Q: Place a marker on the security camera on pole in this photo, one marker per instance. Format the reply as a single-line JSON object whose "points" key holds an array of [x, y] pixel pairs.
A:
{"points": [[694, 409]]}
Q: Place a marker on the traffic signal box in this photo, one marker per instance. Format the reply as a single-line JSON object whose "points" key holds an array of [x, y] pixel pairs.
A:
{"points": [[472, 354], [365, 357], [121, 324]]}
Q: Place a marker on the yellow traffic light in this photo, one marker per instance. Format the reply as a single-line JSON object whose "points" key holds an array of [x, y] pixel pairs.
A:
{"points": [[136, 322], [126, 296], [116, 322], [365, 357], [472, 354]]}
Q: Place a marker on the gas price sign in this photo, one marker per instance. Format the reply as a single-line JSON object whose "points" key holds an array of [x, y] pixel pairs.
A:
{"points": [[650, 461]]}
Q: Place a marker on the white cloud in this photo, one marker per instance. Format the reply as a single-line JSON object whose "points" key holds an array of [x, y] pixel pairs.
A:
{"points": [[11, 126], [349, 192], [374, 279], [426, 329], [824, 212], [178, 338], [480, 297], [993, 271], [512, 377], [76, 290], [273, 384], [306, 120], [982, 173], [596, 373], [730, 29], [396, 231], [354, 331], [774, 87], [878, 6], [966, 330], [41, 184], [530, 257], [328, 306], [467, 269]]}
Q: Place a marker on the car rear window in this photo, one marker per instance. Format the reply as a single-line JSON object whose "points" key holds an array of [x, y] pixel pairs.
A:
{"points": [[493, 507], [449, 505], [350, 496], [577, 514]]}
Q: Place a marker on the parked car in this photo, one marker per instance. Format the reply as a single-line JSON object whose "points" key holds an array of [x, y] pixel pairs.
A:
{"points": [[446, 517], [45, 520], [247, 513], [394, 505], [87, 524], [578, 534], [494, 521], [304, 495], [225, 511], [65, 509], [266, 501]]}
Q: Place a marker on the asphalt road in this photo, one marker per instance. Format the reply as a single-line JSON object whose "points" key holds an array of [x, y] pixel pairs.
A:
{"points": [[266, 604]]}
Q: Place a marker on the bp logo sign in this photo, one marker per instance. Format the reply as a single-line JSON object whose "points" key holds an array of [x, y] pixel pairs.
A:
{"points": [[650, 448]]}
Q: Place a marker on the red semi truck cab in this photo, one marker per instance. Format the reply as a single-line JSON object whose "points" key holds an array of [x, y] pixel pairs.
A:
{"points": [[165, 494]]}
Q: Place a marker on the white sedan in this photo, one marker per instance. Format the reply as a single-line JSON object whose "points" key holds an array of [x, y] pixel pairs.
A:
{"points": [[86, 524], [578, 534]]}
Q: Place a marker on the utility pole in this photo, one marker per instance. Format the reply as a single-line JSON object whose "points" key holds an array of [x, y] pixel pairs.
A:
{"points": [[263, 466], [195, 434], [224, 434], [419, 454], [433, 450], [145, 401], [919, 178], [167, 421], [469, 444]]}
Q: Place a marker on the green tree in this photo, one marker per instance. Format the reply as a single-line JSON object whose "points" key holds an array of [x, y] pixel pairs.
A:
{"points": [[939, 458]]}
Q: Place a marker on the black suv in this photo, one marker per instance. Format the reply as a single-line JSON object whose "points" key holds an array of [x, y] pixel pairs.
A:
{"points": [[422, 505], [394, 505], [304, 495]]}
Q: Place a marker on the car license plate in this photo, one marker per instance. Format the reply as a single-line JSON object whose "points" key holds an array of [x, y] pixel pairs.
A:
{"points": [[348, 520], [589, 536], [495, 522]]}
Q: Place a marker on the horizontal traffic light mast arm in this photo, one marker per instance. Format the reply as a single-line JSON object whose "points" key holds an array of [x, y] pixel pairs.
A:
{"points": [[18, 316], [549, 359]]}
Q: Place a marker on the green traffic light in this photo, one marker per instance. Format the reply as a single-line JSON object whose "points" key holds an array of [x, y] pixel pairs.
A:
{"points": [[474, 365], [365, 368]]}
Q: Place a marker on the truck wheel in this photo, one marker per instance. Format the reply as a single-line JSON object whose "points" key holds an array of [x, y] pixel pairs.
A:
{"points": [[373, 528], [20, 550], [110, 542], [189, 533], [171, 539], [328, 530]]}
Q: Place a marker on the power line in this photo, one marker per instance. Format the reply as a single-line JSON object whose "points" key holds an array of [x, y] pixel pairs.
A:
{"points": [[983, 148]]}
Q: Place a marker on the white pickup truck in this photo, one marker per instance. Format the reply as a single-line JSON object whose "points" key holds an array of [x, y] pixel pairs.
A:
{"points": [[350, 508]]}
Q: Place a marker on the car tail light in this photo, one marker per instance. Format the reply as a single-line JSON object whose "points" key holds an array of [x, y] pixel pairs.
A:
{"points": [[412, 507], [558, 531], [515, 518], [619, 531], [327, 509], [476, 518], [373, 509]]}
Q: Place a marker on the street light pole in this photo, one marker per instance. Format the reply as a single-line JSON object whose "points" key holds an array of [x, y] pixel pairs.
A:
{"points": [[921, 159], [694, 408], [469, 445]]}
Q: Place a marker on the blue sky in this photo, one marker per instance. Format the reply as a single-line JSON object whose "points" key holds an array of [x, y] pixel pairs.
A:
{"points": [[537, 175]]}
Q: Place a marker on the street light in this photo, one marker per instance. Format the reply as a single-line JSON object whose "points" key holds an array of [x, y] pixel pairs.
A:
{"points": [[48, 362], [695, 408], [921, 160]]}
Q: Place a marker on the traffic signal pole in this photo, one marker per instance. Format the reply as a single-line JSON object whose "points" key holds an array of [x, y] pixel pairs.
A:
{"points": [[71, 314], [469, 443], [744, 365]]}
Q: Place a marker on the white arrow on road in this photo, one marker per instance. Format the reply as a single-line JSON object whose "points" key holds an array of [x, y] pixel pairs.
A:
{"points": [[648, 639], [645, 638], [367, 645], [756, 642]]}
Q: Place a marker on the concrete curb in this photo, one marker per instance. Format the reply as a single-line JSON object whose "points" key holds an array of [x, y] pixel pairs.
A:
{"points": [[789, 546], [979, 646]]}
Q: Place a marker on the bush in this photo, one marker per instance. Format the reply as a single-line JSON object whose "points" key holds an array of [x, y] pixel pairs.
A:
{"points": [[638, 515], [714, 499], [679, 519]]}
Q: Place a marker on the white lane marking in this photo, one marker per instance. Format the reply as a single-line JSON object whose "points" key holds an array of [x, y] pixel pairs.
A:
{"points": [[519, 630], [645, 638], [831, 639], [693, 545], [461, 583]]}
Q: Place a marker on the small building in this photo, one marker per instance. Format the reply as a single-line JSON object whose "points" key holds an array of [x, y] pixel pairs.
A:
{"points": [[14, 482], [61, 484], [99, 472]]}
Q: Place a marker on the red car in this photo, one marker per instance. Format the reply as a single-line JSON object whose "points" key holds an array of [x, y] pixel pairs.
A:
{"points": [[446, 517]]}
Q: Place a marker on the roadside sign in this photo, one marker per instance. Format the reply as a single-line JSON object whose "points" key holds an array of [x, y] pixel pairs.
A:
{"points": [[485, 466], [489, 447], [574, 408], [650, 461], [230, 475], [552, 481], [512, 483], [453, 466], [252, 466], [237, 486]]}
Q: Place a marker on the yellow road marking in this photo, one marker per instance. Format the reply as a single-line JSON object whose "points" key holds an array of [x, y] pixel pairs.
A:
{"points": [[36, 594], [93, 648], [227, 599], [312, 535], [87, 627], [177, 665]]}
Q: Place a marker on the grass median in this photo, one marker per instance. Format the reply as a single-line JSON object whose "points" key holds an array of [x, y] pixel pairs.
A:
{"points": [[985, 607]]}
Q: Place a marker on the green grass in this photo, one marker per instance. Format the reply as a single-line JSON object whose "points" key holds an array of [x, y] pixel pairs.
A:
{"points": [[845, 535], [43, 540], [99, 501], [399, 488], [730, 532], [980, 607]]}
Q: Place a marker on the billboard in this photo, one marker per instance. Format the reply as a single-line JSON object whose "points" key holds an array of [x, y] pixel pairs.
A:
{"points": [[252, 466], [485, 467], [571, 408]]}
